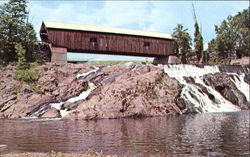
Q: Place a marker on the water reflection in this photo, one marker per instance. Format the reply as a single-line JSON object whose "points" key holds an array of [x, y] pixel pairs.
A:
{"points": [[218, 134]]}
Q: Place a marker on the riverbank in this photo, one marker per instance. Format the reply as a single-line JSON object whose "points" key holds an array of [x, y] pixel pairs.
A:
{"points": [[64, 155], [57, 154], [87, 91]]}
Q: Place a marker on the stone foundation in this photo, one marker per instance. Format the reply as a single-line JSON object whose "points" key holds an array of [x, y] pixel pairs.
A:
{"points": [[166, 60], [174, 60], [59, 55], [161, 60]]}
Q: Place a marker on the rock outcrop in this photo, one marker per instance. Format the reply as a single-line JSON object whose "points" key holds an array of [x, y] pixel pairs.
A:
{"points": [[212, 88], [82, 91], [143, 91], [19, 99], [223, 83]]}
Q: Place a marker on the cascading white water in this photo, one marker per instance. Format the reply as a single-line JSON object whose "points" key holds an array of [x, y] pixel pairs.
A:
{"points": [[239, 82], [87, 73], [82, 96], [193, 94]]}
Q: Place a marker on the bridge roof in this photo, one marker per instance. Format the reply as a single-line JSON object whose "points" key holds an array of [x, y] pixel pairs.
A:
{"points": [[92, 28]]}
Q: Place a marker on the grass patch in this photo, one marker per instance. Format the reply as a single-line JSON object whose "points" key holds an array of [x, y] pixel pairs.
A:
{"points": [[37, 90], [17, 88], [27, 75], [158, 80]]}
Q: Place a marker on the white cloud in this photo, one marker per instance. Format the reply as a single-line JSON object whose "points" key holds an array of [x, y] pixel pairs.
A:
{"points": [[161, 16]]}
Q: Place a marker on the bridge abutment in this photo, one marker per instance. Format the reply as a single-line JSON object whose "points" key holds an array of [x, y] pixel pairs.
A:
{"points": [[171, 59], [161, 60], [59, 55]]}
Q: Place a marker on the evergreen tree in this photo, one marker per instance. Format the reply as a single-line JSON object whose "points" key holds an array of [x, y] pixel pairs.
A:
{"points": [[183, 42], [22, 63], [198, 41], [198, 44], [15, 28]]}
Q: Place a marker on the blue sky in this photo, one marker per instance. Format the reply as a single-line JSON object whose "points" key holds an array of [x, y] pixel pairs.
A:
{"points": [[160, 16]]}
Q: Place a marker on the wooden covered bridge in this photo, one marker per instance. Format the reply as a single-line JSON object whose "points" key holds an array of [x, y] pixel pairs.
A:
{"points": [[78, 38]]}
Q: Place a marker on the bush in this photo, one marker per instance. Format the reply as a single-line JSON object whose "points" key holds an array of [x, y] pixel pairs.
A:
{"points": [[27, 75], [22, 63]]}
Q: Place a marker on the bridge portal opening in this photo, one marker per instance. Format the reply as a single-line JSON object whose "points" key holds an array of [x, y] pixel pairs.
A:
{"points": [[83, 58]]}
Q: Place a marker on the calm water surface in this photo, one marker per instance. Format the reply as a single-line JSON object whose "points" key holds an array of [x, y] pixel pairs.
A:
{"points": [[213, 134]]}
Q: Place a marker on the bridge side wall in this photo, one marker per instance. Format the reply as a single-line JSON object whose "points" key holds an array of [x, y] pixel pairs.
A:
{"points": [[116, 43]]}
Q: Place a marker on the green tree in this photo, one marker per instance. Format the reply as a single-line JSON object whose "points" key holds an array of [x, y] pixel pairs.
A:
{"points": [[15, 28], [30, 42], [183, 42], [232, 37], [240, 25], [198, 44], [22, 63], [211, 46], [23, 72], [198, 40], [225, 40]]}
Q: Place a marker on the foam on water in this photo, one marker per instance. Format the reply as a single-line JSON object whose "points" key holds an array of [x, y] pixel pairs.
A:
{"points": [[87, 73], [193, 94], [239, 82], [56, 105], [83, 95]]}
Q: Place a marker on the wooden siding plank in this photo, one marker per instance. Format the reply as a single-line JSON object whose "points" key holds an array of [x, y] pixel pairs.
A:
{"points": [[110, 42], [126, 44]]}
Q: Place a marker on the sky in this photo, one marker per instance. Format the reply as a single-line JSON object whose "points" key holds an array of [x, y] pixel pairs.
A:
{"points": [[159, 16]]}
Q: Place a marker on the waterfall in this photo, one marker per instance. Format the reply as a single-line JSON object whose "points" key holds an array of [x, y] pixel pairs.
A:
{"points": [[78, 76], [239, 82], [58, 105], [82, 96], [191, 77]]}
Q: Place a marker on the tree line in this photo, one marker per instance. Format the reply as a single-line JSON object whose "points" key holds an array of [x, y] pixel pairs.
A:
{"points": [[231, 41]]}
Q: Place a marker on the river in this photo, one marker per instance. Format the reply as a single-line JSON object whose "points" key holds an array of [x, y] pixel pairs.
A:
{"points": [[208, 134]]}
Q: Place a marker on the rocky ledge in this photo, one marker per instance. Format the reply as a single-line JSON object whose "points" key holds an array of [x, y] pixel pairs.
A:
{"points": [[83, 91]]}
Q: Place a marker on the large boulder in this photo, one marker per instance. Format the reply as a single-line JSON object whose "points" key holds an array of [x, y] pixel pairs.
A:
{"points": [[51, 113], [223, 83]]}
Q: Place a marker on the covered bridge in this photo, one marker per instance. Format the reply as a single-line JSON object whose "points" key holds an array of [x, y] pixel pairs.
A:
{"points": [[78, 38]]}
